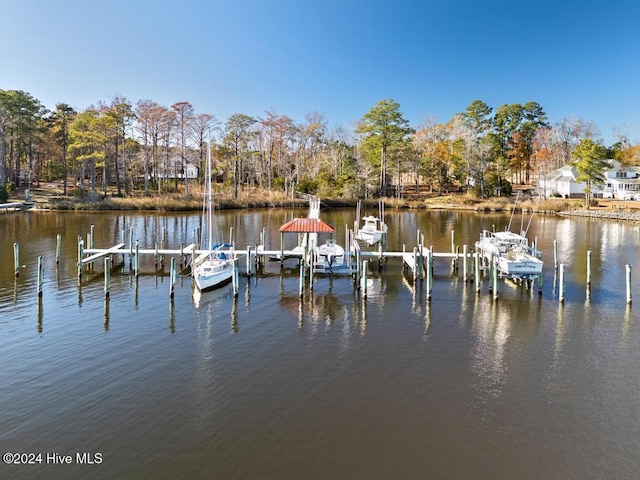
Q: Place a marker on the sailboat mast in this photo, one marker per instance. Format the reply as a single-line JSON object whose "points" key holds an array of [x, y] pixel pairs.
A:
{"points": [[209, 198]]}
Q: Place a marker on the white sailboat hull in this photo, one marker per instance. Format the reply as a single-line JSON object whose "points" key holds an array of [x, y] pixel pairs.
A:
{"points": [[212, 273]]}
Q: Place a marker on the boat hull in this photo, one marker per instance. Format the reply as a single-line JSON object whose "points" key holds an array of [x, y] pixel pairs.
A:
{"points": [[370, 238], [212, 274], [512, 255]]}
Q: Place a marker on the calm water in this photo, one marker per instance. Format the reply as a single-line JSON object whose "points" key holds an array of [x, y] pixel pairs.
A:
{"points": [[269, 387]]}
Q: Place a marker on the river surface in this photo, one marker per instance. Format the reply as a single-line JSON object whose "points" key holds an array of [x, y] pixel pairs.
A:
{"points": [[331, 387]]}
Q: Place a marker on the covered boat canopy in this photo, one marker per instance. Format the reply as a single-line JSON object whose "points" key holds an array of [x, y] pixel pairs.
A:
{"points": [[306, 225]]}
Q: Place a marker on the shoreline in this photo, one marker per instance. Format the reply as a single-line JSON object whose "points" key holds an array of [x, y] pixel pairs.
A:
{"points": [[46, 199]]}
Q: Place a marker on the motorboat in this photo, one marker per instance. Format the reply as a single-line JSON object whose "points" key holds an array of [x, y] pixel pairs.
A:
{"points": [[511, 254], [372, 231], [329, 255]]}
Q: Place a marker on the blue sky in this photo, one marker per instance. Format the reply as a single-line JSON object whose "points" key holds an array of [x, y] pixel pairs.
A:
{"points": [[337, 58]]}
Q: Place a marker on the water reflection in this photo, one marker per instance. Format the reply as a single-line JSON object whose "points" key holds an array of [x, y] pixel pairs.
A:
{"points": [[105, 324], [172, 316], [40, 314], [492, 327]]}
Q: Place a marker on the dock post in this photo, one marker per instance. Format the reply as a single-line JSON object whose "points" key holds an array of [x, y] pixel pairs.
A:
{"points": [[137, 259], [162, 245], [365, 271], [588, 268], [555, 254], [311, 270], [561, 284], [231, 239], [495, 281], [476, 271], [156, 255], [465, 266], [16, 259], [429, 274], [358, 268], [80, 255], [453, 251], [235, 277], [302, 275], [281, 248], [107, 276], [122, 241], [181, 254], [248, 260], [628, 272], [40, 276], [172, 276], [93, 236], [540, 284], [58, 247], [415, 263]]}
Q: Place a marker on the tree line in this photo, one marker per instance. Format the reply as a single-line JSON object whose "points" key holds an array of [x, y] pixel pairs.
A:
{"points": [[151, 148]]}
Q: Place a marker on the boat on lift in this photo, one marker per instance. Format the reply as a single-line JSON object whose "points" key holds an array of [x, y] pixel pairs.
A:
{"points": [[511, 254], [329, 255], [374, 229]]}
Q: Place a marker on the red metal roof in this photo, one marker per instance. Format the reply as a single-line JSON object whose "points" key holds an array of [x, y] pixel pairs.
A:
{"points": [[306, 225]]}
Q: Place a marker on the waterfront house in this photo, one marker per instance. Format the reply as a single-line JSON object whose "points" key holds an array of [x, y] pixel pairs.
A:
{"points": [[622, 182]]}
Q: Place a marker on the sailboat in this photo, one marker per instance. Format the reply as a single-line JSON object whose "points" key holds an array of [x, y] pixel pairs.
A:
{"points": [[213, 268]]}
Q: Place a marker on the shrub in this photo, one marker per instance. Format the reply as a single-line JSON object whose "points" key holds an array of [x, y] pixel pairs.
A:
{"points": [[4, 194]]}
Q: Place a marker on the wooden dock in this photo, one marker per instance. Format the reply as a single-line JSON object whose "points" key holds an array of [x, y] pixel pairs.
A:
{"points": [[14, 206]]}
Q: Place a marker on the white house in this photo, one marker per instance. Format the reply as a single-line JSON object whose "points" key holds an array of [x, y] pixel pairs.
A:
{"points": [[622, 182]]}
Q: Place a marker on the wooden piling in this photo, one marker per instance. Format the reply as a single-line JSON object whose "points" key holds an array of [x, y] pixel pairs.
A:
{"points": [[40, 276], [281, 248], [16, 259], [172, 277], [540, 284], [156, 255], [628, 282], [302, 276], [107, 276], [58, 248], [429, 274], [588, 267], [93, 235], [465, 266], [137, 259], [495, 281], [561, 284], [311, 272], [365, 271], [80, 256], [476, 273], [235, 277], [555, 254]]}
